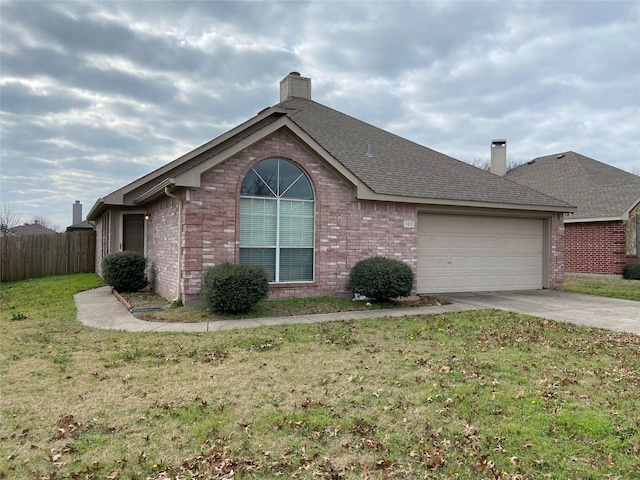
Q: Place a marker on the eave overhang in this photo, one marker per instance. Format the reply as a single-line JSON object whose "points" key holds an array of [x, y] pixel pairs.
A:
{"points": [[155, 192], [368, 194]]}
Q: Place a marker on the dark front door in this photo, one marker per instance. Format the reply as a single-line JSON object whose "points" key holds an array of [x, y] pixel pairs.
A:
{"points": [[133, 232]]}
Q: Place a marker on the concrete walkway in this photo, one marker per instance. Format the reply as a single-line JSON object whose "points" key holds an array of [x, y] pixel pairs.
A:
{"points": [[100, 309]]}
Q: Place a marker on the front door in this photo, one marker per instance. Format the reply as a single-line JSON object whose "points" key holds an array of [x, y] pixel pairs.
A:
{"points": [[133, 232]]}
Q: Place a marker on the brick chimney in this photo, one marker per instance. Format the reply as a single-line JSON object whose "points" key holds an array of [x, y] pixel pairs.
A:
{"points": [[499, 157], [293, 85], [77, 213]]}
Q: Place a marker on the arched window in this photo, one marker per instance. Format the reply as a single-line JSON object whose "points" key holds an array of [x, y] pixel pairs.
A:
{"points": [[277, 220]]}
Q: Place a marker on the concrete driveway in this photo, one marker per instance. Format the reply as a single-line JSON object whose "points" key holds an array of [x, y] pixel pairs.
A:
{"points": [[601, 312]]}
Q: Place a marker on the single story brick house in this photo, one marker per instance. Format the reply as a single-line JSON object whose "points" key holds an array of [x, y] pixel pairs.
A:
{"points": [[307, 191], [601, 235]]}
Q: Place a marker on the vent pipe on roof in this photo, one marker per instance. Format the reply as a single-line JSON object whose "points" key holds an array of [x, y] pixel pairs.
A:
{"points": [[293, 85], [499, 157], [77, 213]]}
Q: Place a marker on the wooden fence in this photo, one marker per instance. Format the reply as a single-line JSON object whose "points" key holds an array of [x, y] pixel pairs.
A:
{"points": [[32, 256]]}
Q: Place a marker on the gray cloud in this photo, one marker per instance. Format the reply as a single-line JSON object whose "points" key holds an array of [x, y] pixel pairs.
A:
{"points": [[96, 94]]}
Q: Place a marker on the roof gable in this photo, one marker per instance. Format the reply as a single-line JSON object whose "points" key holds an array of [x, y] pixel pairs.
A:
{"points": [[599, 191]]}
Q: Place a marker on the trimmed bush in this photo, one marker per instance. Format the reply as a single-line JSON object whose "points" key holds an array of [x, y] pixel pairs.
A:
{"points": [[125, 271], [231, 288], [631, 272], [381, 278]]}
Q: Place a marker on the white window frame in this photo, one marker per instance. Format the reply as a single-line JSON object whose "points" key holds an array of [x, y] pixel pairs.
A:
{"points": [[277, 247]]}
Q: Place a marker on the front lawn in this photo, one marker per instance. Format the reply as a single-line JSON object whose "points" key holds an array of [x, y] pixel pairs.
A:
{"points": [[482, 394], [616, 288]]}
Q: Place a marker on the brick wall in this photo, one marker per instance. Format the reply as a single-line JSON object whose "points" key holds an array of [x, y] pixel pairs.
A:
{"points": [[162, 247], [346, 230], [596, 248], [103, 240]]}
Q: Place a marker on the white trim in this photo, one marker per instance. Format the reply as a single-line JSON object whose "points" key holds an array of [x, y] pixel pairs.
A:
{"points": [[596, 219]]}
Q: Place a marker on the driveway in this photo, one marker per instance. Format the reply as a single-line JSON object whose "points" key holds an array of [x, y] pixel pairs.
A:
{"points": [[591, 310]]}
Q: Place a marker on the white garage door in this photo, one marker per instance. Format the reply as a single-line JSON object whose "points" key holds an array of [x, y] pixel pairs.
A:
{"points": [[466, 253]]}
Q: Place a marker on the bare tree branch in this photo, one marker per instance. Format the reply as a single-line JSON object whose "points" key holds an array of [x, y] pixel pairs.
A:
{"points": [[9, 217]]}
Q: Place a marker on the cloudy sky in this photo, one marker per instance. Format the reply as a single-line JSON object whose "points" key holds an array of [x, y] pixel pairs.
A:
{"points": [[96, 94]]}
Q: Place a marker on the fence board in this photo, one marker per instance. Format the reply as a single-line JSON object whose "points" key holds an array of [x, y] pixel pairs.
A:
{"points": [[33, 256]]}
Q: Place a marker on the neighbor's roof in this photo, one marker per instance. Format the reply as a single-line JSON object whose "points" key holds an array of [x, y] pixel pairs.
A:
{"points": [[30, 229], [599, 191], [383, 166]]}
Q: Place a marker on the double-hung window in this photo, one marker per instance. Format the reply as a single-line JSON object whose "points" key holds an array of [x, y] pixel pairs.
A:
{"points": [[277, 221]]}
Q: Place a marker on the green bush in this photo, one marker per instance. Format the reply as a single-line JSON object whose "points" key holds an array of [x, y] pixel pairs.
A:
{"points": [[231, 288], [125, 271], [631, 272], [381, 278]]}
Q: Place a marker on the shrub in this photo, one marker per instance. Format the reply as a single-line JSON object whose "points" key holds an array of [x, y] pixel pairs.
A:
{"points": [[231, 288], [381, 278], [631, 272], [125, 271]]}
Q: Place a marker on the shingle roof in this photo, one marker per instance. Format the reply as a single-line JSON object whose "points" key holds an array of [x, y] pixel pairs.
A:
{"points": [[31, 229], [597, 190], [392, 165]]}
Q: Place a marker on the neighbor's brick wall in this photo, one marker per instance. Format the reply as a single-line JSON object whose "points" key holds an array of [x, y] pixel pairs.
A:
{"points": [[162, 247], [346, 230], [596, 248]]}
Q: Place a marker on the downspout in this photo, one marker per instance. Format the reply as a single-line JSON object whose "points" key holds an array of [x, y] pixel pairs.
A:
{"points": [[171, 195]]}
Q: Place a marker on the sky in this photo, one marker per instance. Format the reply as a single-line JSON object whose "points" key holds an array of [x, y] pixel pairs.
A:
{"points": [[94, 94]]}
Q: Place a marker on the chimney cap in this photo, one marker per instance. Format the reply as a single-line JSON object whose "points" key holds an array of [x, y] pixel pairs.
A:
{"points": [[295, 74], [500, 142]]}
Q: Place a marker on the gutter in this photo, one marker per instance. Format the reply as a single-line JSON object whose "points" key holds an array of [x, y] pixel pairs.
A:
{"points": [[171, 195]]}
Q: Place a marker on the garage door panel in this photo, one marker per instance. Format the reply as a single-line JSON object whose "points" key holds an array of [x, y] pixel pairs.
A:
{"points": [[476, 253]]}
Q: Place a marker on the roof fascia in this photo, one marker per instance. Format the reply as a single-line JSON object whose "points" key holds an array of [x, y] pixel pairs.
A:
{"points": [[155, 192], [97, 209], [595, 219], [362, 195]]}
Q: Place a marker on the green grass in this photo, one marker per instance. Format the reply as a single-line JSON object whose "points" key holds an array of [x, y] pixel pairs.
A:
{"points": [[482, 394], [627, 289]]}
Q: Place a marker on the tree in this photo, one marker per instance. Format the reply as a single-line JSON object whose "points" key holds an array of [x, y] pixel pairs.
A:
{"points": [[9, 217], [485, 164]]}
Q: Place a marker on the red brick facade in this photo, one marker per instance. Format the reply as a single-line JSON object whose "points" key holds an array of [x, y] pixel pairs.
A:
{"points": [[596, 248], [346, 230]]}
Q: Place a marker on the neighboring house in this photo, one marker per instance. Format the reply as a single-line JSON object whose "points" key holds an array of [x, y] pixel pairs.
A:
{"points": [[307, 191], [30, 229], [82, 226], [79, 224], [601, 234]]}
